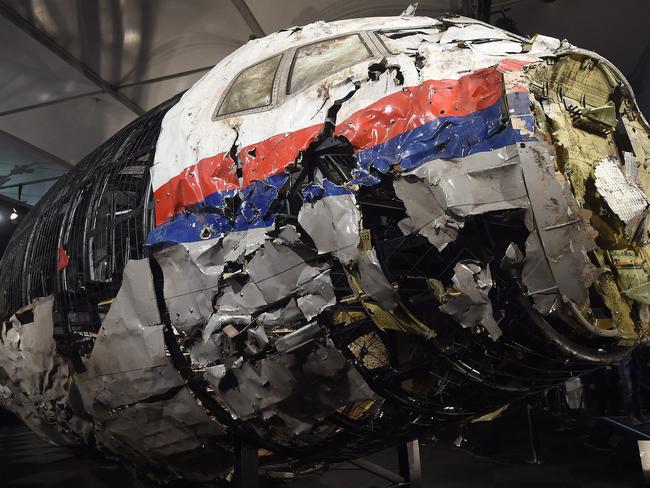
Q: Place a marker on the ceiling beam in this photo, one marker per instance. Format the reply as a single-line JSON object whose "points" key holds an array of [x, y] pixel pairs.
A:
{"points": [[248, 16], [46, 41], [171, 76], [46, 155], [30, 182], [56, 101]]}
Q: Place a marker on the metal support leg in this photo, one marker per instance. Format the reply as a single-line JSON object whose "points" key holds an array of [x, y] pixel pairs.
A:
{"points": [[533, 437], [379, 471], [246, 466], [408, 458]]}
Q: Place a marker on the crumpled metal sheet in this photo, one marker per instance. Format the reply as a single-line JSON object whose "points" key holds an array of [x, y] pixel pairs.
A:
{"points": [[537, 275], [34, 360], [298, 338], [279, 271], [193, 270], [289, 393], [623, 196], [544, 45], [373, 281], [228, 339], [441, 193], [286, 316], [474, 32], [333, 224], [169, 434], [563, 235], [319, 295], [473, 306], [214, 345], [189, 286], [426, 215], [128, 363], [36, 378]]}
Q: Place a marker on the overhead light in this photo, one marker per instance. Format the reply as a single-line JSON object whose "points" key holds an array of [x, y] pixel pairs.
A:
{"points": [[14, 215]]}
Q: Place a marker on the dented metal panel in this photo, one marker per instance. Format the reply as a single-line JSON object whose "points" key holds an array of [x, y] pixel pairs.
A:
{"points": [[472, 307]]}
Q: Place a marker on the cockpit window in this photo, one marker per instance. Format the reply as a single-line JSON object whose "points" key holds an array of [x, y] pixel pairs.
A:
{"points": [[253, 88], [317, 60]]}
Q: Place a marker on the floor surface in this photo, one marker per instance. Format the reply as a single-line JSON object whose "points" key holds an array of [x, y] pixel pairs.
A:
{"points": [[28, 461]]}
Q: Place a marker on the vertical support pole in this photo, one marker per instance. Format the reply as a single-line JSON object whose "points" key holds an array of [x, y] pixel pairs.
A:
{"points": [[408, 459], [533, 437], [246, 466], [644, 454]]}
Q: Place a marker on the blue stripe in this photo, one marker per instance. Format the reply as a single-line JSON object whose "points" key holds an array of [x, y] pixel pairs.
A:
{"points": [[443, 138], [209, 219], [314, 191]]}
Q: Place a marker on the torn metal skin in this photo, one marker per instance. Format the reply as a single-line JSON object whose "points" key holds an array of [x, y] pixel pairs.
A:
{"points": [[351, 259]]}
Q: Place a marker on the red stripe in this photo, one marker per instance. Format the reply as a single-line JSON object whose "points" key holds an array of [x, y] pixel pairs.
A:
{"points": [[193, 184], [269, 157], [415, 106], [377, 123], [508, 65]]}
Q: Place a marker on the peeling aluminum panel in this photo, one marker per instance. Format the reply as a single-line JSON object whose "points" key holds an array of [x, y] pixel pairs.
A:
{"points": [[440, 194], [537, 275], [373, 281], [473, 306], [291, 392], [286, 316], [623, 196], [128, 363], [171, 434], [562, 232], [188, 287], [333, 223], [38, 378], [279, 271]]}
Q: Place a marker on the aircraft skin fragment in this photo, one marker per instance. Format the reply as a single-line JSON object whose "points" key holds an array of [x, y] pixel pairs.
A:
{"points": [[353, 255], [128, 363], [472, 307], [333, 223], [36, 379]]}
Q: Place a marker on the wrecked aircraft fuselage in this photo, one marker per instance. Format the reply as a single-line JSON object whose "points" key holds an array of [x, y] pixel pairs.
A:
{"points": [[341, 237]]}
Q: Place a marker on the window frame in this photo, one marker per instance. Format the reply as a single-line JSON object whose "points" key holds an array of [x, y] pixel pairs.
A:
{"points": [[378, 34], [363, 36], [274, 89], [281, 82]]}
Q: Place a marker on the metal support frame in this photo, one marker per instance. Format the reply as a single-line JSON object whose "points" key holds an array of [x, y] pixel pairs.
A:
{"points": [[246, 472], [171, 76], [56, 101], [380, 472], [245, 11], [46, 41], [247, 466], [409, 468], [533, 437], [408, 458]]}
